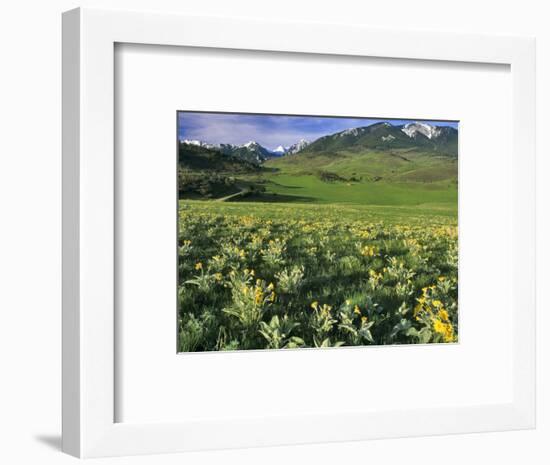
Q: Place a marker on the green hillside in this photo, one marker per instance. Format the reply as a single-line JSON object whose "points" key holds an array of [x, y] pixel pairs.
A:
{"points": [[197, 159], [375, 165], [368, 165], [384, 136], [311, 189]]}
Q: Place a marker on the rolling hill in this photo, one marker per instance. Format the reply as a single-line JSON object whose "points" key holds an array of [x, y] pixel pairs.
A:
{"points": [[414, 152]]}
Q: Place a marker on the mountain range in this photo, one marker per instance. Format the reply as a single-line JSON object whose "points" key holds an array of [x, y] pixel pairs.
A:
{"points": [[417, 136], [291, 149], [252, 151]]}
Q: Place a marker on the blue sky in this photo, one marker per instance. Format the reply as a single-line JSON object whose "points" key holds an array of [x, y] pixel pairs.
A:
{"points": [[270, 130]]}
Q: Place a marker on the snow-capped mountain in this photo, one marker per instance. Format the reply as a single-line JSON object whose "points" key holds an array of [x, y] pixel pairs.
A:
{"points": [[279, 151], [198, 143], [191, 142], [226, 148], [295, 148], [412, 129], [351, 132], [418, 136], [251, 151], [252, 145], [291, 149]]}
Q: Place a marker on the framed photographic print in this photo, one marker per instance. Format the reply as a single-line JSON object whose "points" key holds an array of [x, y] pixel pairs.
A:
{"points": [[272, 237]]}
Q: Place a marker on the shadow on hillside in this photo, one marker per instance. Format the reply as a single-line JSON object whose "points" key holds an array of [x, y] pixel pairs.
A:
{"points": [[284, 185], [273, 198]]}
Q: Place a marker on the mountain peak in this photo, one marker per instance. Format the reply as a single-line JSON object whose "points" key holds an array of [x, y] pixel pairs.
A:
{"points": [[280, 150], [412, 129], [381, 124], [351, 132], [251, 143], [295, 148], [192, 142]]}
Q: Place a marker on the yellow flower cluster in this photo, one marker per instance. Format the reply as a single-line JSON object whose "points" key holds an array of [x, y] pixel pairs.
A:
{"points": [[433, 311], [263, 294], [368, 251]]}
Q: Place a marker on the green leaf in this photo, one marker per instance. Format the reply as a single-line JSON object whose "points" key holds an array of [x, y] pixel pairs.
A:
{"points": [[425, 335]]}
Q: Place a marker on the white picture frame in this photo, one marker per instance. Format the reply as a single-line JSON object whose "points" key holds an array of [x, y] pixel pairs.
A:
{"points": [[89, 37]]}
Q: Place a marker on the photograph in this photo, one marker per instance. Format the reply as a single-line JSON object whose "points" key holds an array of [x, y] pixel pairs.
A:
{"points": [[311, 231]]}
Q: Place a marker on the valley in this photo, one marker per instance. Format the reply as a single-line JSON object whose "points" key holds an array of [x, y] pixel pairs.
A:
{"points": [[381, 165]]}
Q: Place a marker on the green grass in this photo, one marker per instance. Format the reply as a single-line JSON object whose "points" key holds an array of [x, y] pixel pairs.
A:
{"points": [[367, 164], [391, 214], [362, 178], [312, 189]]}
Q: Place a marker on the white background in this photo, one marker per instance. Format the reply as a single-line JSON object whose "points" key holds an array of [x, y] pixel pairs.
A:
{"points": [[151, 84], [30, 179]]}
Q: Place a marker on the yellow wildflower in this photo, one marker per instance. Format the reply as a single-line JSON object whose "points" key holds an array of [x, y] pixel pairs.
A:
{"points": [[368, 251], [198, 266], [445, 329], [258, 296], [357, 310], [439, 326]]}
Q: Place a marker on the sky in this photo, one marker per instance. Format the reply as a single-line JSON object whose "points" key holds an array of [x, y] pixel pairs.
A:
{"points": [[270, 130]]}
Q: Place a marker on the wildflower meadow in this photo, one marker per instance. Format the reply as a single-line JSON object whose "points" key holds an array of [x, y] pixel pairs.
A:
{"points": [[269, 276]]}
